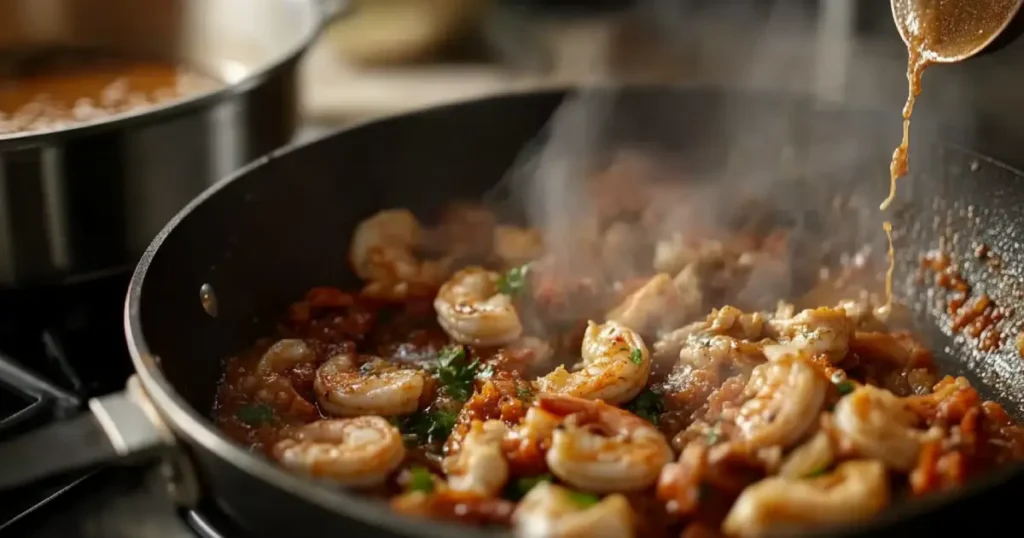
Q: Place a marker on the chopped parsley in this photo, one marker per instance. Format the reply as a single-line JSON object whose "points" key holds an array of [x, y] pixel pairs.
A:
{"points": [[455, 373], [429, 428], [255, 414], [584, 500], [845, 387], [420, 479], [526, 483], [513, 282], [636, 355], [648, 405], [485, 372], [714, 435], [818, 472], [524, 393]]}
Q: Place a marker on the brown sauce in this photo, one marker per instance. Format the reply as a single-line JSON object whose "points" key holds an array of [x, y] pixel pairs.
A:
{"points": [[976, 317], [56, 88], [935, 31]]}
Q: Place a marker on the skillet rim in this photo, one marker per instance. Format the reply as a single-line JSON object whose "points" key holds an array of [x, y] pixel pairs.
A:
{"points": [[187, 422]]}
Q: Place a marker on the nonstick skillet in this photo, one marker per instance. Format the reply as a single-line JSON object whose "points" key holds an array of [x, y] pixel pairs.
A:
{"points": [[225, 268]]}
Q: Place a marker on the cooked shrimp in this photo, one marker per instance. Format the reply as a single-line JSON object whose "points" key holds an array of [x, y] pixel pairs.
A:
{"points": [[879, 424], [345, 390], [809, 458], [356, 452], [783, 399], [657, 304], [285, 354], [382, 255], [516, 246], [550, 511], [603, 449], [480, 466], [615, 366], [528, 443], [472, 310], [855, 491], [821, 330]]}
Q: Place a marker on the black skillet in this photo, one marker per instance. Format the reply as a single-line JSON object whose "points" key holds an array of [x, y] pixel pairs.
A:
{"points": [[257, 241]]}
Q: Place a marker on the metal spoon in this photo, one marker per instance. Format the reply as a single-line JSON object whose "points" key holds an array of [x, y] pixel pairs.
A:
{"points": [[948, 31]]}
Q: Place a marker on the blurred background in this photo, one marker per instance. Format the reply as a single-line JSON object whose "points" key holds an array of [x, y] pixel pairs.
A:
{"points": [[392, 55]]}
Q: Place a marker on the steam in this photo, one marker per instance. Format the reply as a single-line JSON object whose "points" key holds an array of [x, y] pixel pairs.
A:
{"points": [[819, 178]]}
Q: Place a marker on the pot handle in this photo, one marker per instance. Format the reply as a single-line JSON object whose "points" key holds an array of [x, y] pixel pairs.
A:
{"points": [[333, 9], [118, 428]]}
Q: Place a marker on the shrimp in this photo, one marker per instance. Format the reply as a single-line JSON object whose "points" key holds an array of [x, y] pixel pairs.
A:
{"points": [[472, 310], [382, 255], [784, 398], [657, 304], [809, 458], [480, 466], [615, 366], [356, 452], [855, 491], [285, 354], [516, 246], [528, 443], [879, 424], [550, 511], [378, 388], [818, 331], [603, 449]]}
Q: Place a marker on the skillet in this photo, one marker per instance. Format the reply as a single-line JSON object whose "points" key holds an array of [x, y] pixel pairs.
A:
{"points": [[256, 241]]}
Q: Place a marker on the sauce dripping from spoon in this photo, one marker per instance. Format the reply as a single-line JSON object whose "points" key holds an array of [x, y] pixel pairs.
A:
{"points": [[936, 31]]}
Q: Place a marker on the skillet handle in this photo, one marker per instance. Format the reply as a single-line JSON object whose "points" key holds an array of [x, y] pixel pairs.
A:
{"points": [[117, 428]]}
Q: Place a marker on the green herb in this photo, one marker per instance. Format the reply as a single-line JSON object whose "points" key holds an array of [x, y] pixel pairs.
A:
{"points": [[714, 435], [584, 500], [525, 484], [485, 372], [455, 373], [636, 355], [844, 387], [367, 368], [255, 414], [818, 472], [524, 393], [704, 491], [513, 282], [648, 405], [429, 428], [420, 479]]}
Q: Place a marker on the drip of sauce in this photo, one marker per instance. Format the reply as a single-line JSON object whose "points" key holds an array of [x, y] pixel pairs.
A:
{"points": [[884, 311], [935, 31]]}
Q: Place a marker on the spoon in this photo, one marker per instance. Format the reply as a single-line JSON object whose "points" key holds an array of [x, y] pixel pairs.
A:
{"points": [[947, 31]]}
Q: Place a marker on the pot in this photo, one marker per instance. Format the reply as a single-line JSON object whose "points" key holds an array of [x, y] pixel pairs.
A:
{"points": [[225, 268], [87, 199]]}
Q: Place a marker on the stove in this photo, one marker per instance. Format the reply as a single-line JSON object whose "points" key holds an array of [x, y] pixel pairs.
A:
{"points": [[59, 347]]}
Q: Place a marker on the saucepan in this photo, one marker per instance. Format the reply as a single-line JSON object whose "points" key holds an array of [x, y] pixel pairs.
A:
{"points": [[220, 273], [85, 199]]}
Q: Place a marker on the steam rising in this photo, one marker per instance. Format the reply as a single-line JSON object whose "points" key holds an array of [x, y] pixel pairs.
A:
{"points": [[804, 169]]}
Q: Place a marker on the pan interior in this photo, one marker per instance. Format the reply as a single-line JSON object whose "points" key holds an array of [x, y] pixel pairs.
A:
{"points": [[283, 226]]}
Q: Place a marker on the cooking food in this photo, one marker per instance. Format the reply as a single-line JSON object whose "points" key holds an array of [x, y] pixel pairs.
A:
{"points": [[471, 379], [55, 88]]}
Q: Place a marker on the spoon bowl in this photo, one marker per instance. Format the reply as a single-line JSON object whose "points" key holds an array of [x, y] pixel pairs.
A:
{"points": [[947, 31]]}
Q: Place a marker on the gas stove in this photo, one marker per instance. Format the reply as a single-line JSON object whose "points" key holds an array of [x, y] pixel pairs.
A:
{"points": [[59, 347]]}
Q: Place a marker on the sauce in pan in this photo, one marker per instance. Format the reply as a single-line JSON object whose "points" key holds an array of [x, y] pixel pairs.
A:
{"points": [[935, 31], [56, 88]]}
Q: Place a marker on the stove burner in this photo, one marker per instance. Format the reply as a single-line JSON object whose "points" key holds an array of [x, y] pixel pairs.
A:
{"points": [[58, 347]]}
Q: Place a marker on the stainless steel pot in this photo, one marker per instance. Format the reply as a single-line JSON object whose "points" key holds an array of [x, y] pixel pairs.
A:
{"points": [[88, 199]]}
